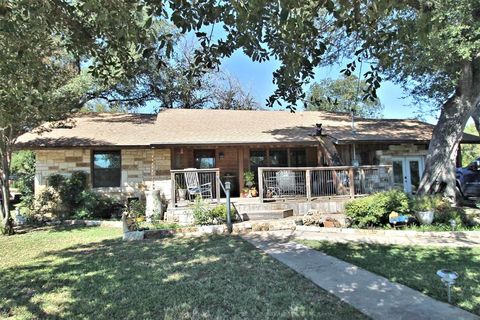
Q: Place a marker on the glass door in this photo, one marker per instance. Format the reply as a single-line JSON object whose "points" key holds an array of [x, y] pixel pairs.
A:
{"points": [[407, 172]]}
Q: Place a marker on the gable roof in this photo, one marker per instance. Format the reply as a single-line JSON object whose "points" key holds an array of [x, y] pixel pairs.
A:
{"points": [[196, 127]]}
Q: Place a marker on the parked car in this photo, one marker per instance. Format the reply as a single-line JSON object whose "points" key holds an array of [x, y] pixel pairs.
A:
{"points": [[468, 180]]}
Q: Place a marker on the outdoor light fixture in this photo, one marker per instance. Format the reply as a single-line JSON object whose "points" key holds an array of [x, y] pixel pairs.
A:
{"points": [[221, 155], [453, 223], [448, 278]]}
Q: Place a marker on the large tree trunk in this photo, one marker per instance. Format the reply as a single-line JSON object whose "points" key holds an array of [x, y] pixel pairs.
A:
{"points": [[330, 152], [439, 175], [5, 155]]}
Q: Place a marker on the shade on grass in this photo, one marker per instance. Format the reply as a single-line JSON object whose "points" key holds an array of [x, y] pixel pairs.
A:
{"points": [[416, 267], [89, 273]]}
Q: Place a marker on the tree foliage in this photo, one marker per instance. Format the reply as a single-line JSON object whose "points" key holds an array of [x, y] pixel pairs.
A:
{"points": [[470, 152], [342, 95]]}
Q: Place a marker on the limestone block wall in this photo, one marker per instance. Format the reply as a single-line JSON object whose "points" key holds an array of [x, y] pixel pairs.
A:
{"points": [[141, 169], [60, 161], [401, 150]]}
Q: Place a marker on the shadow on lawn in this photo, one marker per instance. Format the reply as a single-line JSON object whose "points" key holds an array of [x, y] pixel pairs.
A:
{"points": [[416, 267], [181, 278]]}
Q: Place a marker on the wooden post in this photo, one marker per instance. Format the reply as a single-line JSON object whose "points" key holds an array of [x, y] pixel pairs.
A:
{"points": [[308, 184], [240, 161], [351, 177], [260, 184], [217, 184], [173, 199]]}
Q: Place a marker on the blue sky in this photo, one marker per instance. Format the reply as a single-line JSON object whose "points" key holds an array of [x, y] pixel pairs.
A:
{"points": [[257, 78]]}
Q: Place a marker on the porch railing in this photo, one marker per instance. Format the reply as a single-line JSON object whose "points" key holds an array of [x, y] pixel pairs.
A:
{"points": [[316, 182], [205, 176]]}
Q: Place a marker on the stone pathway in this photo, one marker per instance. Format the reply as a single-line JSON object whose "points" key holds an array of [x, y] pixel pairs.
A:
{"points": [[373, 295]]}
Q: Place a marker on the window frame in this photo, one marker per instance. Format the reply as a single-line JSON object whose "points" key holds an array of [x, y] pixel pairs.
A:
{"points": [[93, 169], [212, 154]]}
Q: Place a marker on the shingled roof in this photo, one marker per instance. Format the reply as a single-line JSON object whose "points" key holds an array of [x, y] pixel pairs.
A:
{"points": [[197, 127]]}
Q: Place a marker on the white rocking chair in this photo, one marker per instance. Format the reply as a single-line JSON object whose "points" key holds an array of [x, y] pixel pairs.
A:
{"points": [[194, 187]]}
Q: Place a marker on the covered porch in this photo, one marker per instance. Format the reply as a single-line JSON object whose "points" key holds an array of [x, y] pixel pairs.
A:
{"points": [[285, 183]]}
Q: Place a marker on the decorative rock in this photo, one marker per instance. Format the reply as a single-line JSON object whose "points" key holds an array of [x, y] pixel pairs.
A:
{"points": [[133, 235], [312, 218]]}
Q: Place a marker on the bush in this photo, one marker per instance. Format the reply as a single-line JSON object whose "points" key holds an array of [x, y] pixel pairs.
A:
{"points": [[23, 167], [93, 205], [68, 196], [444, 213], [202, 215], [137, 208], [374, 209]]}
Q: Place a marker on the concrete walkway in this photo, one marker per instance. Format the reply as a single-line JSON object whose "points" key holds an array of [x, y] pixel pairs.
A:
{"points": [[373, 295]]}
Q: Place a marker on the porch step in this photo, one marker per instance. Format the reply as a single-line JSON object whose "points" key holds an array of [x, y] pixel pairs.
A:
{"points": [[267, 214]]}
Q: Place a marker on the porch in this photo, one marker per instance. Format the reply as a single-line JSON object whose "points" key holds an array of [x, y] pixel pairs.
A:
{"points": [[285, 184]]}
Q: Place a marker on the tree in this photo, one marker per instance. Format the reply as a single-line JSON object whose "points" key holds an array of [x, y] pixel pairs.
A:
{"points": [[43, 46], [431, 47], [470, 152], [342, 95], [228, 93]]}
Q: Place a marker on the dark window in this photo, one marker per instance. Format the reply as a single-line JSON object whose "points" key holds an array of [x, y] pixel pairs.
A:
{"points": [[258, 158], [278, 158], [298, 158], [204, 159], [107, 169]]}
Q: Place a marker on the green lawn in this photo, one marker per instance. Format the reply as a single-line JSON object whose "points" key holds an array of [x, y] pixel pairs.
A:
{"points": [[416, 267], [89, 273]]}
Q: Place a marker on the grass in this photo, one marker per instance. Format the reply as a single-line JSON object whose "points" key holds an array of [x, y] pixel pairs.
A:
{"points": [[89, 273], [415, 267]]}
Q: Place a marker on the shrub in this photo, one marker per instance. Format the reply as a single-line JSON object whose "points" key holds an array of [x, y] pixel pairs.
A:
{"points": [[93, 205], [68, 196], [374, 209], [425, 203], [220, 211], [202, 215], [23, 167], [444, 213], [137, 208]]}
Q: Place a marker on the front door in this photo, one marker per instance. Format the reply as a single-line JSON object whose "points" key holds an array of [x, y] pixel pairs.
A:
{"points": [[407, 172]]}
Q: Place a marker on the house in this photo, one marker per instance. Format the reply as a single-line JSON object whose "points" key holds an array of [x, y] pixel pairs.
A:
{"points": [[123, 153]]}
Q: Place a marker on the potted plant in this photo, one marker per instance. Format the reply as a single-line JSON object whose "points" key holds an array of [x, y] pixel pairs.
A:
{"points": [[245, 192], [424, 207], [182, 193], [249, 190]]}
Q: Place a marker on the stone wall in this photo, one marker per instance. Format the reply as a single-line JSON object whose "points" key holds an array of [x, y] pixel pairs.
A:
{"points": [[401, 150], [141, 168]]}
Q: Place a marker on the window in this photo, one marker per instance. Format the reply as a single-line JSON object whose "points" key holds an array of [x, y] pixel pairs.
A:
{"points": [[298, 158], [106, 169], [278, 158], [204, 159], [257, 158]]}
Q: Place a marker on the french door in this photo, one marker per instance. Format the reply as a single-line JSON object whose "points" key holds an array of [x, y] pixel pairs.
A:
{"points": [[407, 172]]}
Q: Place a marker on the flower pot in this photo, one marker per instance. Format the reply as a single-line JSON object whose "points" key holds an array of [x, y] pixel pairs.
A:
{"points": [[182, 193], [253, 192], [425, 217]]}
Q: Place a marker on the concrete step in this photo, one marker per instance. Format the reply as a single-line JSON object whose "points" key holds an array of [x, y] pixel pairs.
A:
{"points": [[267, 214]]}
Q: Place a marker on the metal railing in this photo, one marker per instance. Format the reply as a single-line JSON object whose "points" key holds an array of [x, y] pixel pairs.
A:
{"points": [[208, 185], [316, 182]]}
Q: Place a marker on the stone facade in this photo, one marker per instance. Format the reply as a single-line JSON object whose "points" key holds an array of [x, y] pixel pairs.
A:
{"points": [[141, 169], [401, 150]]}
